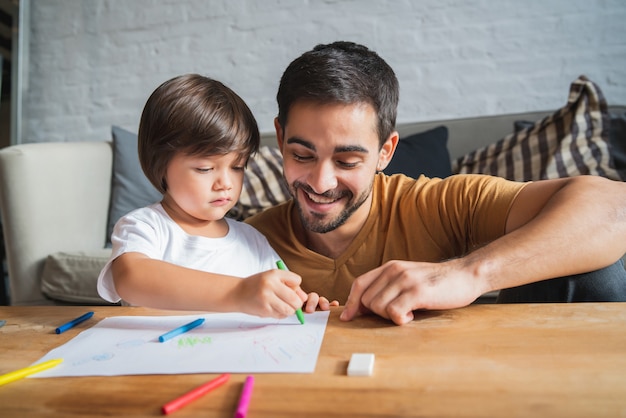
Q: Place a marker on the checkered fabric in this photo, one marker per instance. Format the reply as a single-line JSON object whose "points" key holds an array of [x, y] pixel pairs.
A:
{"points": [[572, 141], [263, 184]]}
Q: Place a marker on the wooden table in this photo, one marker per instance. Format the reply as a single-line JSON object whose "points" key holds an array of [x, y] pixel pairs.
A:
{"points": [[559, 360]]}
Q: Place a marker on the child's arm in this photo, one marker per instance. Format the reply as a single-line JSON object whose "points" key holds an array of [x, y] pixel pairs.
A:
{"points": [[144, 281]]}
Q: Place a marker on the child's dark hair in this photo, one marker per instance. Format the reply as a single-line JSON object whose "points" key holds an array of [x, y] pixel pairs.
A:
{"points": [[194, 115]]}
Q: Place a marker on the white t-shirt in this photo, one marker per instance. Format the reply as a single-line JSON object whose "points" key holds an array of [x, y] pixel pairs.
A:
{"points": [[244, 251]]}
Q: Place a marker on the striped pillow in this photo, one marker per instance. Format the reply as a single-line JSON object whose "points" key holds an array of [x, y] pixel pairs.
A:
{"points": [[263, 184], [572, 141]]}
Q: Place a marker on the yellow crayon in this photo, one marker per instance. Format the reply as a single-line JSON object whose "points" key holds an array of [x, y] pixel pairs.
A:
{"points": [[27, 371]]}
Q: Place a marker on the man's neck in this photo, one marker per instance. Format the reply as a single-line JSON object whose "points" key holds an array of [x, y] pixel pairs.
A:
{"points": [[329, 244]]}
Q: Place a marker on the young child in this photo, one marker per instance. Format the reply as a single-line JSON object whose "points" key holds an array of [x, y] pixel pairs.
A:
{"points": [[195, 138]]}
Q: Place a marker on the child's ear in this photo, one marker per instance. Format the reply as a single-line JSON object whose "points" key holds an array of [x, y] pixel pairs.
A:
{"points": [[387, 150]]}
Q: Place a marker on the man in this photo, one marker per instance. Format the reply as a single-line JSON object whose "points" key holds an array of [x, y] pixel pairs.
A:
{"points": [[391, 245]]}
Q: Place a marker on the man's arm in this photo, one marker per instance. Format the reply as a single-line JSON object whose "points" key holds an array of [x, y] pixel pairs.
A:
{"points": [[561, 227], [555, 228]]}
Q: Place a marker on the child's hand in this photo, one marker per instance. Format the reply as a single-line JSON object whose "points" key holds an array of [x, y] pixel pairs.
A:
{"points": [[272, 293], [314, 301]]}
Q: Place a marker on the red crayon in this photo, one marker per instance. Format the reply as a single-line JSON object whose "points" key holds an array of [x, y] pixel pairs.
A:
{"points": [[178, 403]]}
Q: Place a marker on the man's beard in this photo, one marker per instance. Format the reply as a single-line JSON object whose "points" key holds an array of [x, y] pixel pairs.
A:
{"points": [[315, 222]]}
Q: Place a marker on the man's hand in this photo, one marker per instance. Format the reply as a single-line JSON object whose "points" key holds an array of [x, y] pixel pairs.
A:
{"points": [[397, 288]]}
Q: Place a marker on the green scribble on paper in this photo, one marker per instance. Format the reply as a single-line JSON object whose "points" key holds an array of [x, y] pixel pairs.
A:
{"points": [[192, 341]]}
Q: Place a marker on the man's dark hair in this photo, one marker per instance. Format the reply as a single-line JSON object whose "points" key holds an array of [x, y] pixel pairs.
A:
{"points": [[341, 72]]}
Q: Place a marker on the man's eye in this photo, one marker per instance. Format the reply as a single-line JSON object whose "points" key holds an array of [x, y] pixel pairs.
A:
{"points": [[299, 157], [346, 164]]}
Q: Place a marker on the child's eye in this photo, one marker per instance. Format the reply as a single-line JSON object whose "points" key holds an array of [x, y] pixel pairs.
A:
{"points": [[203, 170], [238, 168]]}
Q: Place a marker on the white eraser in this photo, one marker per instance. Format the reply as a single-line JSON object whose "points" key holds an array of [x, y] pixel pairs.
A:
{"points": [[361, 364]]}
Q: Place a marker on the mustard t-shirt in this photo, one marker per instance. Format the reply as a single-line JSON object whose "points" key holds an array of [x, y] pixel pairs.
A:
{"points": [[417, 220]]}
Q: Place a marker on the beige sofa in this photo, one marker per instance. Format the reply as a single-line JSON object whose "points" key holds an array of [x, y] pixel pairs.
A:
{"points": [[54, 199]]}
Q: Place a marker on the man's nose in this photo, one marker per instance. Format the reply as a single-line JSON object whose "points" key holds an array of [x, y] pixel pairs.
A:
{"points": [[323, 177]]}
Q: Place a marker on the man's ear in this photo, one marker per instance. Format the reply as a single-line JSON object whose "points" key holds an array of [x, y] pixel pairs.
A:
{"points": [[280, 134], [386, 151]]}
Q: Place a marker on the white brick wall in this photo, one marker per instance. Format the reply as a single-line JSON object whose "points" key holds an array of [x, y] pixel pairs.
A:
{"points": [[93, 63]]}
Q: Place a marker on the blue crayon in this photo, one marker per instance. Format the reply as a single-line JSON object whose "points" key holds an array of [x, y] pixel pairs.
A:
{"points": [[176, 331], [74, 322]]}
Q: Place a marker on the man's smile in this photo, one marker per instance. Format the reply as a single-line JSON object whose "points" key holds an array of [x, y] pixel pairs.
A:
{"points": [[320, 199]]}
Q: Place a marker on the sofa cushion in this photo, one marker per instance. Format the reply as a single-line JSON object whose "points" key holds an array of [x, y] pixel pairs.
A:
{"points": [[572, 141], [72, 276], [263, 184], [130, 188], [617, 140], [422, 153]]}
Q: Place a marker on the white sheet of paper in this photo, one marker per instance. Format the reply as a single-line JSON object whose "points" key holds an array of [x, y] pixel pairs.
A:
{"points": [[225, 343]]}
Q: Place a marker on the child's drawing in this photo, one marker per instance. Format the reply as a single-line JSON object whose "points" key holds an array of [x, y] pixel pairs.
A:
{"points": [[234, 343]]}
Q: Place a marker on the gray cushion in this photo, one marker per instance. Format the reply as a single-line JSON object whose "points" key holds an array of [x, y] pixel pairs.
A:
{"points": [[72, 276], [130, 188]]}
